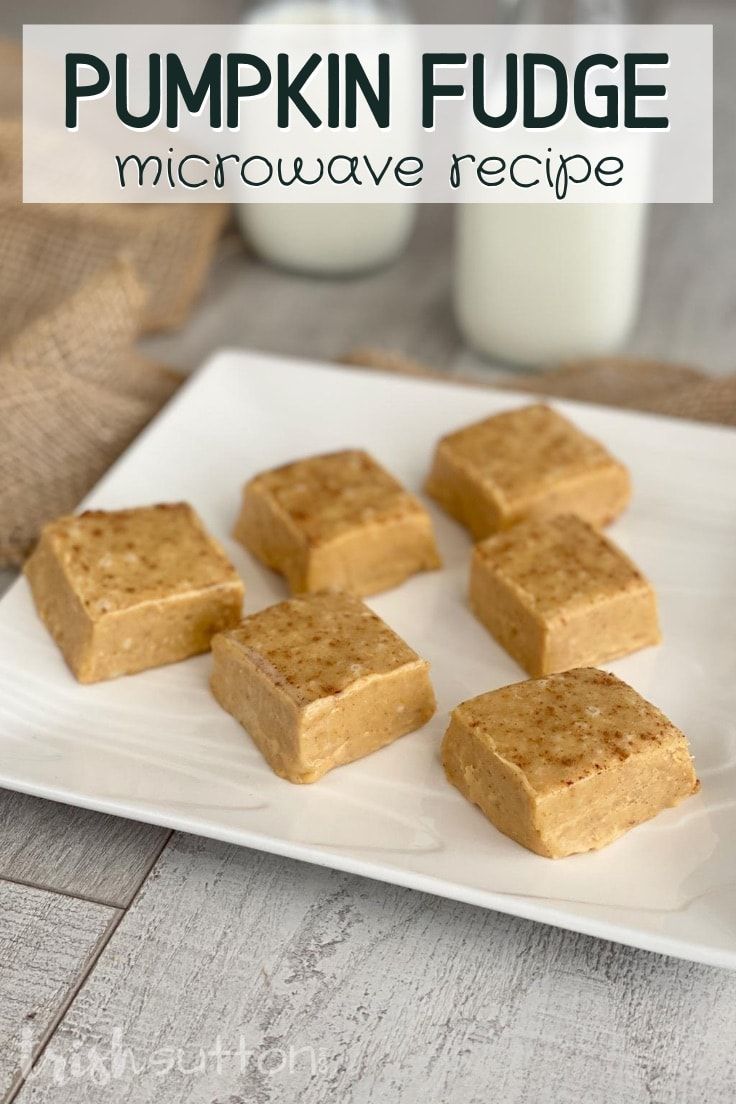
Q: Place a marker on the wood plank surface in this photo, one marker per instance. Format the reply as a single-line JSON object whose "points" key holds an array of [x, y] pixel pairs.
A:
{"points": [[47, 942], [337, 988], [75, 851]]}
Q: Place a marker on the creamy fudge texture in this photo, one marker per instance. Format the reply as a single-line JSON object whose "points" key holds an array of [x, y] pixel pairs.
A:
{"points": [[567, 763], [125, 590], [336, 522], [319, 681], [557, 594], [530, 462]]}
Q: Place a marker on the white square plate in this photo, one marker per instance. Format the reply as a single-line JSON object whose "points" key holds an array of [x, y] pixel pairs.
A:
{"points": [[156, 747]]}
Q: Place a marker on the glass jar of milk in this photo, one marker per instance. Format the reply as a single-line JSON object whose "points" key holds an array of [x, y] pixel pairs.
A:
{"points": [[540, 283], [327, 239]]}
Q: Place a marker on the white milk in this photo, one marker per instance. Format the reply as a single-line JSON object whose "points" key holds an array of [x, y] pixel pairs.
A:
{"points": [[537, 283], [327, 238]]}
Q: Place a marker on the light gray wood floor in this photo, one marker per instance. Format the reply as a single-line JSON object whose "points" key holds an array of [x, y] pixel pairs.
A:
{"points": [[341, 989], [321, 986]]}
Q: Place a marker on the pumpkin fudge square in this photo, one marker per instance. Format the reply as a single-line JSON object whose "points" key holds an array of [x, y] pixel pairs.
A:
{"points": [[524, 463], [567, 763], [336, 522], [558, 594], [319, 681], [125, 590]]}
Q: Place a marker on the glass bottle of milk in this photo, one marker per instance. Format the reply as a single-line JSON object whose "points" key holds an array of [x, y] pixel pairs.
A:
{"points": [[327, 239], [540, 283]]}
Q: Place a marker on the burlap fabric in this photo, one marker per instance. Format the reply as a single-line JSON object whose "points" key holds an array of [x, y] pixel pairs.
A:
{"points": [[78, 285], [48, 250], [652, 386], [11, 78], [73, 394]]}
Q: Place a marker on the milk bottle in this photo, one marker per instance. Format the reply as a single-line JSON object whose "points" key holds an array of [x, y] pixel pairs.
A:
{"points": [[539, 283], [536, 283], [327, 238]]}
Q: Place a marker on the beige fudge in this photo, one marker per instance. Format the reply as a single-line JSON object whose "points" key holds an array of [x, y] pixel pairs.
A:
{"points": [[126, 590], [557, 594], [525, 463], [336, 522], [567, 763], [319, 681]]}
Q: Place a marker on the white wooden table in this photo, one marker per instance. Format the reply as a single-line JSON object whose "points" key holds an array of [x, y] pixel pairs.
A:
{"points": [[136, 966]]}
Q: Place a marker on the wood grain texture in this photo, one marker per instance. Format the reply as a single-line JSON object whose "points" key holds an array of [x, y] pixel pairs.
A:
{"points": [[101, 858], [74, 851], [46, 944], [400, 996]]}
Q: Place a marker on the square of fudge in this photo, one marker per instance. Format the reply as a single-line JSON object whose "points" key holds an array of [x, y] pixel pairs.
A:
{"points": [[567, 763], [124, 590], [319, 681], [336, 522], [530, 462], [558, 594]]}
